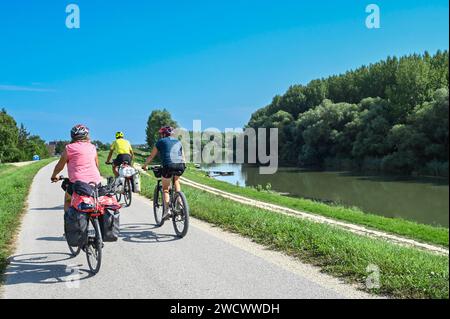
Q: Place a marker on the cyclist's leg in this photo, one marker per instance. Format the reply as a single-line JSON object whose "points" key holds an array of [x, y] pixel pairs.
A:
{"points": [[115, 166], [166, 187], [67, 201], [115, 171], [178, 172], [177, 186], [177, 183], [68, 196]]}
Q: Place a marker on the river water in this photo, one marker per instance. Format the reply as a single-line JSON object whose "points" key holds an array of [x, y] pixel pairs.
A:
{"points": [[425, 200]]}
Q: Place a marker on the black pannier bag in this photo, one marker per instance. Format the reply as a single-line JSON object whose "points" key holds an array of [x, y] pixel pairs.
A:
{"points": [[104, 191], [83, 189], [76, 227], [110, 225]]}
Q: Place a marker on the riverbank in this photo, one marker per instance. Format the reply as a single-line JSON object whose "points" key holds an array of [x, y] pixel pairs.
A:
{"points": [[420, 200], [404, 272], [15, 184], [409, 229]]}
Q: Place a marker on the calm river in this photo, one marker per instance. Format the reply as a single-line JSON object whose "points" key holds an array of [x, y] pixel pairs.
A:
{"points": [[425, 200]]}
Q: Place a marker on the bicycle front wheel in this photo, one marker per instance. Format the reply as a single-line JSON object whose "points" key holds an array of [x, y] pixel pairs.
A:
{"points": [[180, 213], [94, 247], [74, 251]]}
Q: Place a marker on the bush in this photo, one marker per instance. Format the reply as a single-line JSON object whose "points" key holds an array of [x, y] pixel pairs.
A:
{"points": [[399, 163], [344, 164], [371, 164], [436, 168]]}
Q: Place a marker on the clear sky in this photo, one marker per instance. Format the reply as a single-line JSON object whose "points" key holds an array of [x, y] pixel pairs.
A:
{"points": [[213, 60]]}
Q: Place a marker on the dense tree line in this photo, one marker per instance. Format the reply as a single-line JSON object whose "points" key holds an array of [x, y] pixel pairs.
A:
{"points": [[391, 116], [16, 144]]}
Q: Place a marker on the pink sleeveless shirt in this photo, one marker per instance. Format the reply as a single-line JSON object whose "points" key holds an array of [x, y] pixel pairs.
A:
{"points": [[81, 165]]}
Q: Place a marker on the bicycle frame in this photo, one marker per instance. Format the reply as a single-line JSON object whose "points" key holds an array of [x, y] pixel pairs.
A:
{"points": [[98, 241], [171, 190], [179, 217]]}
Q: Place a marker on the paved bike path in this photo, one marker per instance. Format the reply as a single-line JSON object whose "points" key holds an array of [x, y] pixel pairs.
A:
{"points": [[149, 262]]}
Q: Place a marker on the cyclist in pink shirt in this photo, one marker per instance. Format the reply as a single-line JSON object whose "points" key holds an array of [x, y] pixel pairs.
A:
{"points": [[82, 162]]}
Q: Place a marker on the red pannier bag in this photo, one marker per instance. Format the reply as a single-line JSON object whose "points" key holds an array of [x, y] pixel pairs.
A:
{"points": [[87, 204], [84, 204], [109, 202]]}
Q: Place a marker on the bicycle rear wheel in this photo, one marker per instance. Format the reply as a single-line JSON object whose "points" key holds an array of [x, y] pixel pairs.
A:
{"points": [[128, 193], [74, 251], [94, 247], [158, 205], [180, 212], [118, 197]]}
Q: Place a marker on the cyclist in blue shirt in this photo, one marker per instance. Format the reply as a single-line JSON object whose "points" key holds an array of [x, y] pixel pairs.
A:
{"points": [[173, 163]]}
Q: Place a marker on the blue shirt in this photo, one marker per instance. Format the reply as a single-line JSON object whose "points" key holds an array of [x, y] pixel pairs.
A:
{"points": [[170, 151]]}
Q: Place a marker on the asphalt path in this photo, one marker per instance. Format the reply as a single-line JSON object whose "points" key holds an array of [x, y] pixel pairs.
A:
{"points": [[150, 262]]}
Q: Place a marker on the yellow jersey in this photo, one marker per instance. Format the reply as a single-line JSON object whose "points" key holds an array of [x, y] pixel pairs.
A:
{"points": [[121, 146]]}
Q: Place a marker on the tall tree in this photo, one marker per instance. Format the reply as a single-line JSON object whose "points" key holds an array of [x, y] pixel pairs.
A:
{"points": [[156, 120], [9, 138], [16, 144]]}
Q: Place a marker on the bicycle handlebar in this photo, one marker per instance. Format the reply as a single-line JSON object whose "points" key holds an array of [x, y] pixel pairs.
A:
{"points": [[60, 178], [154, 167]]}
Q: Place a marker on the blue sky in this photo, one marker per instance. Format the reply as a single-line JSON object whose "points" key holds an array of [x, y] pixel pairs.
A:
{"points": [[216, 60]]}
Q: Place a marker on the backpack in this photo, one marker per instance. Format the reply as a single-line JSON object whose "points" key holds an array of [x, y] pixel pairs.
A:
{"points": [[76, 227]]}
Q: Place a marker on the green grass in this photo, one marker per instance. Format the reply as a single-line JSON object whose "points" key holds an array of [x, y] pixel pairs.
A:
{"points": [[4, 169], [420, 232], [15, 183], [405, 272]]}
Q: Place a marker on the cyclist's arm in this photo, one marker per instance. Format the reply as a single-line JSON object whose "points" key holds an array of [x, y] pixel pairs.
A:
{"points": [[111, 152], [109, 156], [132, 154], [59, 166], [151, 157], [96, 161], [182, 155]]}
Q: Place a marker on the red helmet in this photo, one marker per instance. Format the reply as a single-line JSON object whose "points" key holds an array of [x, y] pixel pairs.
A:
{"points": [[166, 131], [79, 132]]}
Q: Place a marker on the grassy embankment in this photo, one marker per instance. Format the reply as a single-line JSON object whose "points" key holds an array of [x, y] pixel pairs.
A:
{"points": [[405, 272], [15, 183], [410, 229]]}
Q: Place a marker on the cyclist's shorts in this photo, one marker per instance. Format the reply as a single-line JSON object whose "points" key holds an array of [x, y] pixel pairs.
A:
{"points": [[122, 158], [173, 170]]}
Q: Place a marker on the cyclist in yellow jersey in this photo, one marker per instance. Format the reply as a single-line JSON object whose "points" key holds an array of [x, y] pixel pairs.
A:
{"points": [[123, 150]]}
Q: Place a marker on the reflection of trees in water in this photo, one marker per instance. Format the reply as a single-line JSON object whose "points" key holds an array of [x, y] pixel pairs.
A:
{"points": [[422, 200]]}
